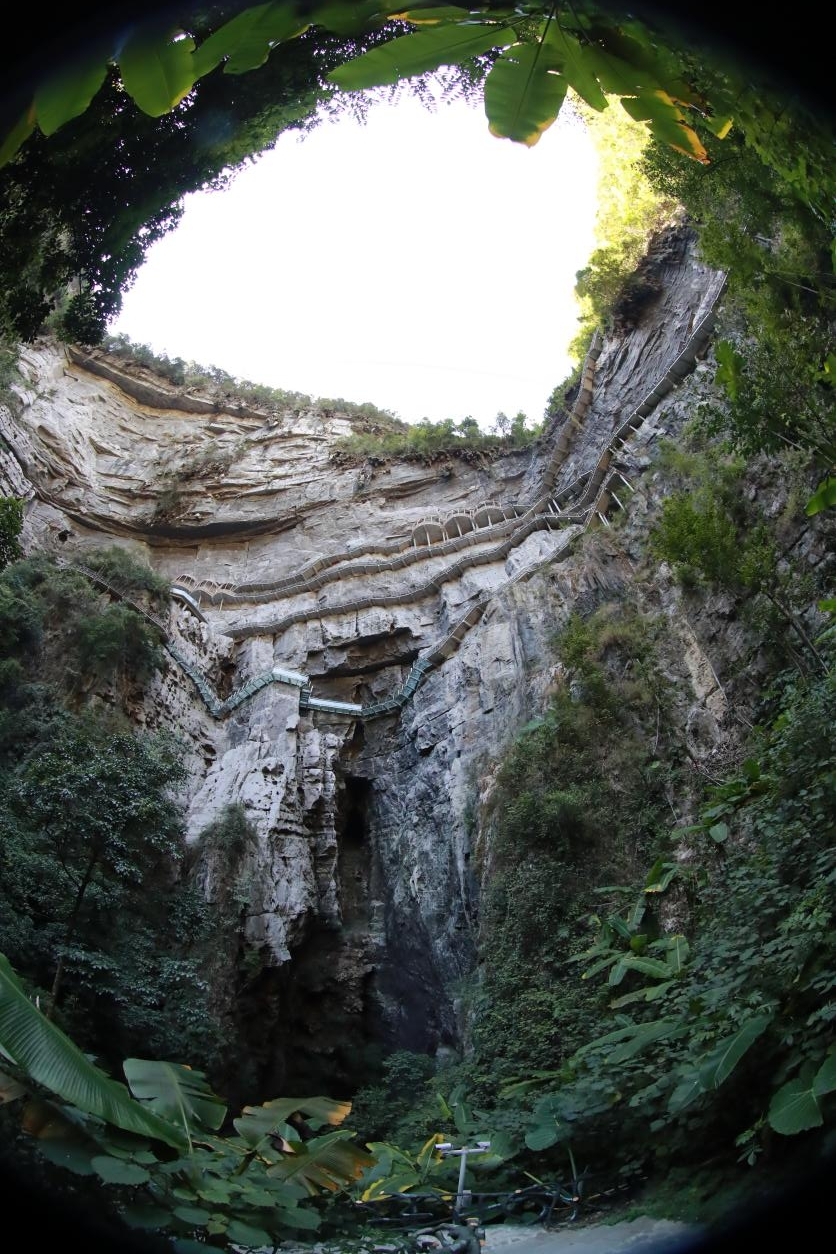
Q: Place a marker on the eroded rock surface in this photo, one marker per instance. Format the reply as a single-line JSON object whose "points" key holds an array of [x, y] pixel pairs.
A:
{"points": [[362, 886]]}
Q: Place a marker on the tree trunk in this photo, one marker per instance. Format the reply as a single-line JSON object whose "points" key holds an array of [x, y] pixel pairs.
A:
{"points": [[69, 934]]}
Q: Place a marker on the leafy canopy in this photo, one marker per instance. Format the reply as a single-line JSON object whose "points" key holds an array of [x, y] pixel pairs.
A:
{"points": [[542, 52]]}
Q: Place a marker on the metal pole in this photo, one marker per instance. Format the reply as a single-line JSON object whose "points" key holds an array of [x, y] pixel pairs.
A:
{"points": [[460, 1191], [446, 1148]]}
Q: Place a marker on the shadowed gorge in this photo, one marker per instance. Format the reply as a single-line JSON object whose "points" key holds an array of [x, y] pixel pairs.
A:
{"points": [[478, 784]]}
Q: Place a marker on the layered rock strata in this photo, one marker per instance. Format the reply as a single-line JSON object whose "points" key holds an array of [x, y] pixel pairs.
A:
{"points": [[351, 648]]}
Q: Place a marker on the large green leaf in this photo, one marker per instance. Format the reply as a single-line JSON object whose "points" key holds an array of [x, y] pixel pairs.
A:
{"points": [[677, 953], [246, 41], [432, 15], [176, 1092], [523, 95], [193, 1214], [615, 75], [256, 1122], [298, 1217], [349, 19], [685, 1093], [607, 961], [157, 72], [651, 67], [248, 1235], [543, 1136], [825, 1081], [618, 1034], [51, 1059], [637, 912], [463, 1118], [575, 63], [117, 1171], [660, 876], [428, 1154], [647, 966], [721, 1061], [552, 1119], [617, 973], [619, 926], [646, 1034], [418, 53], [66, 96], [666, 121], [652, 992], [795, 1106], [67, 1154], [824, 497], [328, 1162]]}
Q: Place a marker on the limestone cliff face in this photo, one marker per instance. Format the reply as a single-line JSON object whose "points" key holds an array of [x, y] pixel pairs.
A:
{"points": [[351, 648]]}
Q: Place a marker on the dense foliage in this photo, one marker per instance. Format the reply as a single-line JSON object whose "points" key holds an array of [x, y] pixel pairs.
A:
{"points": [[11, 524], [81, 206], [578, 793], [663, 932], [101, 152], [89, 832], [628, 212], [162, 1145], [764, 212], [747, 957]]}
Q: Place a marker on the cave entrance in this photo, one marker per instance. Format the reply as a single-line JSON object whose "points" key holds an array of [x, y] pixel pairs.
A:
{"points": [[354, 851]]}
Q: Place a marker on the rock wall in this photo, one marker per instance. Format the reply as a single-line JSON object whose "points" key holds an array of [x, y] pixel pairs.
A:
{"points": [[422, 597]]}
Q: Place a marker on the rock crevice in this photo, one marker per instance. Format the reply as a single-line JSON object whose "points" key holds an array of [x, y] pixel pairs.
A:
{"points": [[373, 682]]}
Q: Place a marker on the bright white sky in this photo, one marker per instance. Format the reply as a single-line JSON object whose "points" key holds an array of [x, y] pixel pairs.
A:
{"points": [[414, 261]]}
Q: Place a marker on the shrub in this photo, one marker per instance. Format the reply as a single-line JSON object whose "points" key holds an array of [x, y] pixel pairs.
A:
{"points": [[116, 643], [11, 524], [125, 571], [695, 533]]}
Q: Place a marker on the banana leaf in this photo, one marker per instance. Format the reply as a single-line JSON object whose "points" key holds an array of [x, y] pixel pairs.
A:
{"points": [[49, 1058], [256, 1122], [418, 53], [326, 1163], [177, 1093]]}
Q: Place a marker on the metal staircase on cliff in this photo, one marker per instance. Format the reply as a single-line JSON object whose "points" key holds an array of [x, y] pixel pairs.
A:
{"points": [[585, 501]]}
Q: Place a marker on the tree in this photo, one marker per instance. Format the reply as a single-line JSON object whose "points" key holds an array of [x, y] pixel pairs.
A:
{"points": [[468, 428], [11, 523], [89, 827], [58, 626], [519, 433]]}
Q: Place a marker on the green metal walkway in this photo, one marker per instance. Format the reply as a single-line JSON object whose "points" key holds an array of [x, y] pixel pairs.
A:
{"points": [[584, 502]]}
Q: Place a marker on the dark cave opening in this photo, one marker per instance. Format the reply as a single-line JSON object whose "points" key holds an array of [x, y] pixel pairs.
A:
{"points": [[354, 851]]}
